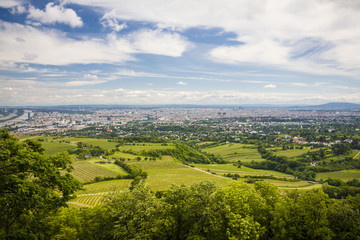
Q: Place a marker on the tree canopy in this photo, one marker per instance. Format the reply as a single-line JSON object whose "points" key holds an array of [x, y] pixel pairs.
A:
{"points": [[33, 185]]}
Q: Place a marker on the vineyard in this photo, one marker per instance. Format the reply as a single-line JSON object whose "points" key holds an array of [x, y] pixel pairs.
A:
{"points": [[90, 199], [85, 171], [106, 186]]}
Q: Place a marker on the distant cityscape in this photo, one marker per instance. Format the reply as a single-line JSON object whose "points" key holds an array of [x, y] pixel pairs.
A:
{"points": [[59, 120]]}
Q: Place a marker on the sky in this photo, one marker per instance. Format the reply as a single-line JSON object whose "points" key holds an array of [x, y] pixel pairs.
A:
{"points": [[203, 52]]}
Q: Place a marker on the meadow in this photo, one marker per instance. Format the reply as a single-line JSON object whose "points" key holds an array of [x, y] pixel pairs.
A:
{"points": [[234, 152], [221, 169], [290, 153], [165, 172], [102, 143], [108, 165], [344, 174], [54, 147], [138, 147]]}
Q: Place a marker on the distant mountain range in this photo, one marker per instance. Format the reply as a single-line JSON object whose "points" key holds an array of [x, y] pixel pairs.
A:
{"points": [[332, 106]]}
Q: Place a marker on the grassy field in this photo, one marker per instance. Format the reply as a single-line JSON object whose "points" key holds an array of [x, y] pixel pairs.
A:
{"points": [[229, 168], [234, 152], [110, 166], [122, 155], [221, 169], [294, 152], [344, 174], [138, 147], [301, 185], [86, 171], [163, 173], [54, 147], [106, 186], [103, 143]]}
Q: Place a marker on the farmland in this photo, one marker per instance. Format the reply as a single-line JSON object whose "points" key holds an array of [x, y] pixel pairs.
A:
{"points": [[86, 171], [294, 152], [344, 174], [164, 171], [138, 147], [54, 147], [234, 152]]}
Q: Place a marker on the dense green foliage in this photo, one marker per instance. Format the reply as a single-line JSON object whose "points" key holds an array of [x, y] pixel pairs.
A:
{"points": [[204, 211], [33, 185]]}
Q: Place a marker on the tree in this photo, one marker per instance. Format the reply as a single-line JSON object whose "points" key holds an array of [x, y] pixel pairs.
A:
{"points": [[302, 216], [344, 218], [33, 185], [137, 214]]}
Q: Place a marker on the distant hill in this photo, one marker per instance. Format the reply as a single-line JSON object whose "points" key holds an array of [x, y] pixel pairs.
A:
{"points": [[333, 106]]}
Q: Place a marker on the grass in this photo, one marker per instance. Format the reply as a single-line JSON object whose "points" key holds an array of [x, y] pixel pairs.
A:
{"points": [[301, 185], [234, 152], [294, 152], [54, 147], [103, 143], [163, 173], [221, 169], [86, 171], [110, 166], [106, 186], [229, 168], [344, 174], [146, 146], [123, 155]]}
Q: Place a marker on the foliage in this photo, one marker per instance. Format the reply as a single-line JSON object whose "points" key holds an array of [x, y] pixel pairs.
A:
{"points": [[33, 185]]}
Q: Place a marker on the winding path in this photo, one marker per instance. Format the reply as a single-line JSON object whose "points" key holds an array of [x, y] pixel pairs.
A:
{"points": [[215, 175]]}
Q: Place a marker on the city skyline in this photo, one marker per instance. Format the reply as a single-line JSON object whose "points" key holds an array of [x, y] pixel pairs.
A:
{"points": [[179, 52]]}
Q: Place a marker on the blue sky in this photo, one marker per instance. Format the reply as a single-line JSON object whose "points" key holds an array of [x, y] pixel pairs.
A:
{"points": [[179, 52]]}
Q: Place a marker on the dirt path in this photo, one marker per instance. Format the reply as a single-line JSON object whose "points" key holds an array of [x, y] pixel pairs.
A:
{"points": [[356, 155], [198, 169]]}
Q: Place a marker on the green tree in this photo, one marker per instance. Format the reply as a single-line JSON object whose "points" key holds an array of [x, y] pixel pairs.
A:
{"points": [[33, 186], [344, 218], [302, 216], [194, 211], [137, 214]]}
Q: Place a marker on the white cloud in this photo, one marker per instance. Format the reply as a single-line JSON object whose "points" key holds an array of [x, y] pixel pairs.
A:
{"points": [[87, 80], [10, 3], [19, 9], [181, 83], [159, 42], [272, 86], [83, 83], [271, 30], [33, 93], [55, 48], [132, 73], [55, 14], [299, 84], [264, 52], [109, 20]]}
